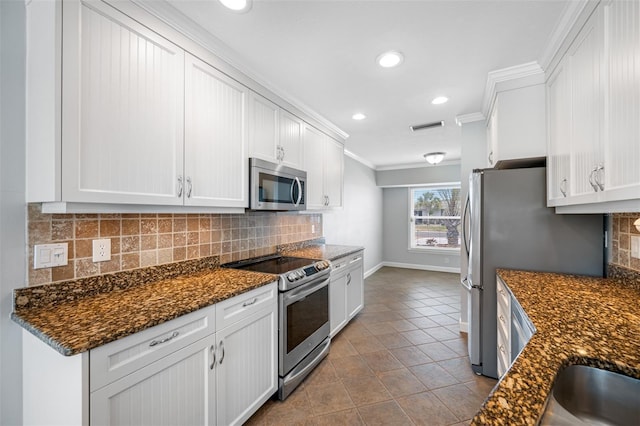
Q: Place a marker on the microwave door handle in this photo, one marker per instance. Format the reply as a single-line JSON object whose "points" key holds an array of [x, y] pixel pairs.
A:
{"points": [[297, 183]]}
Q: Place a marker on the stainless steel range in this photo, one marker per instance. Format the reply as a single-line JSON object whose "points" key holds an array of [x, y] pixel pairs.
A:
{"points": [[303, 320]]}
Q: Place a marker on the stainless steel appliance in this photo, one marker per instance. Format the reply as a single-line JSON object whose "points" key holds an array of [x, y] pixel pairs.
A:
{"points": [[276, 187], [303, 318], [511, 227]]}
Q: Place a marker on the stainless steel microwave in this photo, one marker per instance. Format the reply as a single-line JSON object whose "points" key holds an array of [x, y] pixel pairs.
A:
{"points": [[276, 187]]}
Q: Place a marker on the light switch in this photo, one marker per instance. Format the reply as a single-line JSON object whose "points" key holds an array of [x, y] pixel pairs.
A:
{"points": [[50, 255], [635, 246]]}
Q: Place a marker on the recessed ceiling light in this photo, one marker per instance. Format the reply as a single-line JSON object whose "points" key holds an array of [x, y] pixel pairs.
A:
{"points": [[439, 100], [237, 5], [390, 59], [358, 116]]}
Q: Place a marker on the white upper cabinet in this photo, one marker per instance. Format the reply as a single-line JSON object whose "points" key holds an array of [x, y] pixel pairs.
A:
{"points": [[215, 166], [622, 156], [274, 134], [324, 163], [586, 68], [603, 101], [122, 109], [291, 128], [559, 130], [516, 124]]}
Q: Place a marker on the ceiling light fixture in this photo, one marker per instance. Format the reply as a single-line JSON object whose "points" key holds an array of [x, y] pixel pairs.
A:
{"points": [[439, 100], [237, 5], [434, 157], [358, 116], [390, 59]]}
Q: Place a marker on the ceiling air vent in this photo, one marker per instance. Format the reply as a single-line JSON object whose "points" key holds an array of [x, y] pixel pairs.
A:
{"points": [[427, 125]]}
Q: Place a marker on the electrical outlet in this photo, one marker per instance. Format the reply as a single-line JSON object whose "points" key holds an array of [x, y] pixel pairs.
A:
{"points": [[635, 246], [101, 250], [50, 255]]}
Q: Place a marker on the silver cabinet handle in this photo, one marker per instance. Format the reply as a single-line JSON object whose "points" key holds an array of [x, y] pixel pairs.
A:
{"points": [[212, 352], [189, 186], [502, 349], [593, 185], [600, 184], [355, 259], [180, 186], [165, 340], [563, 187], [282, 154], [222, 349], [502, 292], [328, 200], [349, 278], [491, 158], [245, 304], [501, 318]]}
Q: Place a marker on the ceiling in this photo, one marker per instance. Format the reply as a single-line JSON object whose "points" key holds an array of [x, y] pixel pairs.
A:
{"points": [[322, 54]]}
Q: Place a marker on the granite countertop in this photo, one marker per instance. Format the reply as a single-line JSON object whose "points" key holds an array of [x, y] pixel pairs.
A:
{"points": [[579, 320], [78, 325], [323, 251]]}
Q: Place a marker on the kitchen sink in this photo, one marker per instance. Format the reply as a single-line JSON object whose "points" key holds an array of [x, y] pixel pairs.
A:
{"points": [[591, 396]]}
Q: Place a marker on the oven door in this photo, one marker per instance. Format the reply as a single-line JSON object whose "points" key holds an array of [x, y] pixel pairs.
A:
{"points": [[304, 322]]}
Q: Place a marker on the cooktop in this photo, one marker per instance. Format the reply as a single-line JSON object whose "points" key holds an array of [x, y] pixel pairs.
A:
{"points": [[271, 265]]}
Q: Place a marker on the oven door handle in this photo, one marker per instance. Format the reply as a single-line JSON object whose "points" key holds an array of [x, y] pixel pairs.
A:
{"points": [[304, 291]]}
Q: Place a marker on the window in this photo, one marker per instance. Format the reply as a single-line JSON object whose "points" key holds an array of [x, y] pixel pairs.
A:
{"points": [[435, 219]]}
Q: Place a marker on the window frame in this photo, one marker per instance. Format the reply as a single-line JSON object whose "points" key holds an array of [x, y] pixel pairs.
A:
{"points": [[411, 219]]}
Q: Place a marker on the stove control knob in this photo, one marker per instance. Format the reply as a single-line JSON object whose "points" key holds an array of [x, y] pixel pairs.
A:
{"points": [[291, 277], [300, 274]]}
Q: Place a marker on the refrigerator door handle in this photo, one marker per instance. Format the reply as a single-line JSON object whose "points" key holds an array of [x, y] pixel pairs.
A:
{"points": [[465, 219], [465, 282]]}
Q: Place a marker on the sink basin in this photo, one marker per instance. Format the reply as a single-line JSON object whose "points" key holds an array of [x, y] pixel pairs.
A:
{"points": [[591, 396]]}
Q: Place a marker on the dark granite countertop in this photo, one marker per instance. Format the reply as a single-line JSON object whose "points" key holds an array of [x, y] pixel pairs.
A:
{"points": [[323, 251], [77, 325], [579, 320]]}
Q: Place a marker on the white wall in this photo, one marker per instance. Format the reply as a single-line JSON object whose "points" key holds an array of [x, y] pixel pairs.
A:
{"points": [[396, 237], [12, 202], [474, 154], [359, 223]]}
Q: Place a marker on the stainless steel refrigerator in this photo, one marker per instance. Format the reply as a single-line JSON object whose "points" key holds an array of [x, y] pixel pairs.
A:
{"points": [[507, 225]]}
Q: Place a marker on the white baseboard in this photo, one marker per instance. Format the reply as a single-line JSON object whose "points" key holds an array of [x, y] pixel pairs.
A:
{"points": [[452, 269], [373, 270], [464, 327]]}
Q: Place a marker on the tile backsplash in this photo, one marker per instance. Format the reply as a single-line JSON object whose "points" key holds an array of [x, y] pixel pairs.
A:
{"points": [[141, 240], [622, 230]]}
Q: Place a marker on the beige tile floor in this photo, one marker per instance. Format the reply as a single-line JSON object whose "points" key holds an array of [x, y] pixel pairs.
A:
{"points": [[401, 361]]}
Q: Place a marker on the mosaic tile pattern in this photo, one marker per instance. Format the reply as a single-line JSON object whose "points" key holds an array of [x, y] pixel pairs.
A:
{"points": [[142, 240], [623, 229], [579, 320]]}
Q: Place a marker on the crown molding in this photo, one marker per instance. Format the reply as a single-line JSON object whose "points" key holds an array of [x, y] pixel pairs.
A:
{"points": [[171, 16], [510, 78], [573, 18], [469, 118], [419, 165], [359, 159]]}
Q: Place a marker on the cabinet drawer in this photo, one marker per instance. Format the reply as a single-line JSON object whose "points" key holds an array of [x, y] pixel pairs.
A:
{"points": [[504, 320], [114, 360], [503, 294], [239, 307], [346, 262], [503, 351]]}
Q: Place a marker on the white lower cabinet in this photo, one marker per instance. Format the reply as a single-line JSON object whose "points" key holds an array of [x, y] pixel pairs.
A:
{"points": [[346, 290], [217, 365], [514, 327]]}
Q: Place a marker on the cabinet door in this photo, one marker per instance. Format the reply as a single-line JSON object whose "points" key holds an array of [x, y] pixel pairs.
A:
{"points": [[355, 288], [338, 300], [215, 162], [314, 165], [291, 128], [247, 371], [263, 128], [178, 389], [586, 57], [622, 174], [122, 109], [333, 172], [559, 119]]}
